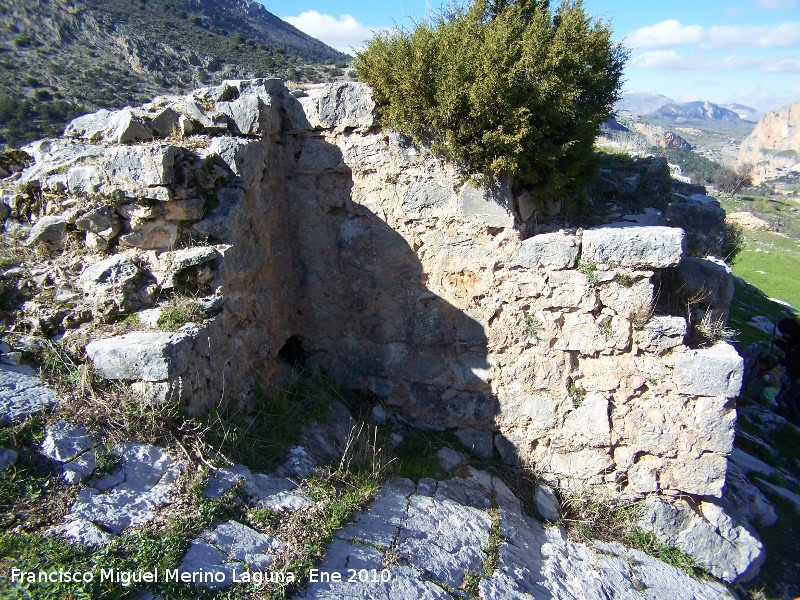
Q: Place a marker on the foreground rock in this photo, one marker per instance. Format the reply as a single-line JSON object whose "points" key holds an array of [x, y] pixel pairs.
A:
{"points": [[22, 394], [439, 531]]}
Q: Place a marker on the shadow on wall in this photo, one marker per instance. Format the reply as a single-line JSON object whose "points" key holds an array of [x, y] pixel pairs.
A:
{"points": [[363, 312]]}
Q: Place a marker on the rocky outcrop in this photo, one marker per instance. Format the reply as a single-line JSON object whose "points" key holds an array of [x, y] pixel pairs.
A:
{"points": [[673, 140], [773, 148], [310, 235]]}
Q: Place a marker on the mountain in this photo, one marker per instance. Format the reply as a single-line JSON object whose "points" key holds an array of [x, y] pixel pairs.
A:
{"points": [[694, 111], [641, 103], [59, 58], [773, 147], [746, 113]]}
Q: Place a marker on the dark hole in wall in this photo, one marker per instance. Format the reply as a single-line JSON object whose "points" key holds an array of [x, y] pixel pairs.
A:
{"points": [[293, 353]]}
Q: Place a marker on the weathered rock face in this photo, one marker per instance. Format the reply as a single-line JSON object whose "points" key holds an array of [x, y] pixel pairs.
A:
{"points": [[372, 261], [773, 147]]}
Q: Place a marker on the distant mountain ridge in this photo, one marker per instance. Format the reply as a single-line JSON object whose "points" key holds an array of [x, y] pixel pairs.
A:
{"points": [[663, 108], [59, 58]]}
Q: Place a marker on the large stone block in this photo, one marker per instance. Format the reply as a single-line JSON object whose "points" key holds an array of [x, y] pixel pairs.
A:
{"points": [[659, 334], [720, 545], [633, 246], [548, 251], [492, 205], [147, 356], [703, 218], [707, 281], [715, 371]]}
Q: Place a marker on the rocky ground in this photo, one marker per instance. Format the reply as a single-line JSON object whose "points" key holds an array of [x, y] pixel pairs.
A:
{"points": [[462, 533]]}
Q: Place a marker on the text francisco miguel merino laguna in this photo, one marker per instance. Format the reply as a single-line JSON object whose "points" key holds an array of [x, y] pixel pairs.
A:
{"points": [[127, 578]]}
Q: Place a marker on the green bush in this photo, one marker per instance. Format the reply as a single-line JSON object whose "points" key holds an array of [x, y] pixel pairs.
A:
{"points": [[502, 88]]}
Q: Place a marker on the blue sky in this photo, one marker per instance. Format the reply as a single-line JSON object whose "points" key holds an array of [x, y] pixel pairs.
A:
{"points": [[745, 51]]}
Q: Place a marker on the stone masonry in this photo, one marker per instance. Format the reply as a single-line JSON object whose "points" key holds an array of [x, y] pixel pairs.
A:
{"points": [[308, 224]]}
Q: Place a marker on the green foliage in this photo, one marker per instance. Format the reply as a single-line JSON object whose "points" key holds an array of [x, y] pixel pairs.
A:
{"points": [[733, 243], [699, 168], [512, 88], [647, 542], [179, 313], [416, 457], [590, 270], [532, 326]]}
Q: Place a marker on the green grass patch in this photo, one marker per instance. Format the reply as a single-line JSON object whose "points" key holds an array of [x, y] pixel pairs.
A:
{"points": [[648, 543], [416, 457], [179, 313], [786, 440], [748, 302], [780, 575]]}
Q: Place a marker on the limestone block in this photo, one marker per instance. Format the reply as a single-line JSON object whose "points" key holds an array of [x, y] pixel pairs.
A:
{"points": [[702, 216], [422, 197], [185, 259], [151, 235], [244, 544], [643, 476], [139, 171], [703, 475], [147, 356], [715, 371], [48, 230], [345, 104], [478, 440], [659, 334], [101, 221], [747, 500], [582, 464], [492, 205], [581, 333], [7, 458], [590, 420], [84, 179], [627, 300], [720, 545], [63, 442], [708, 281], [547, 504], [250, 115], [22, 394], [90, 127], [633, 246], [244, 157], [166, 122], [548, 251], [124, 127], [570, 289], [540, 411]]}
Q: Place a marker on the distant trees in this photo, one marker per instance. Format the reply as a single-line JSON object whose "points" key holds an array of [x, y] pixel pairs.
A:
{"points": [[502, 87], [731, 181]]}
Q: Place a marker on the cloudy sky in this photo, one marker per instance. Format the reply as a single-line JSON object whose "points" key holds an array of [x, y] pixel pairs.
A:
{"points": [[745, 51]]}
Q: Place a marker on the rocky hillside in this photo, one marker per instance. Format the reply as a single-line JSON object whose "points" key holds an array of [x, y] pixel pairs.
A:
{"points": [[60, 58], [774, 145]]}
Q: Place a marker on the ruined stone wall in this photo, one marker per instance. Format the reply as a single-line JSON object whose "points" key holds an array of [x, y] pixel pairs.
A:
{"points": [[395, 275]]}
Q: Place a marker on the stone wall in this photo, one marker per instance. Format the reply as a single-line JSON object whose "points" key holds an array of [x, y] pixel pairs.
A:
{"points": [[378, 265]]}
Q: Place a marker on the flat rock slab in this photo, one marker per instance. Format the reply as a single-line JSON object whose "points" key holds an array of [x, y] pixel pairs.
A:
{"points": [[440, 538], [266, 491], [22, 394], [244, 544], [137, 489], [82, 531], [720, 545], [64, 442], [143, 356], [633, 246], [208, 567]]}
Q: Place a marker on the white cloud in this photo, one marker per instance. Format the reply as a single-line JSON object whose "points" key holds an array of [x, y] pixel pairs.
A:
{"points": [[776, 4], [665, 60], [785, 35], [666, 34], [344, 33], [673, 34]]}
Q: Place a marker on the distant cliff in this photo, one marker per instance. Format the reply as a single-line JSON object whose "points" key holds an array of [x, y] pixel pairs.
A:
{"points": [[774, 145]]}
